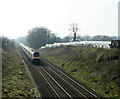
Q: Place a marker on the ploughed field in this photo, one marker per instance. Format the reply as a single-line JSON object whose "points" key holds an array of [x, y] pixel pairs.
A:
{"points": [[52, 82], [96, 68]]}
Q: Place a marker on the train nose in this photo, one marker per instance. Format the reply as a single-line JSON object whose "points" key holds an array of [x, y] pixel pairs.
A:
{"points": [[36, 61]]}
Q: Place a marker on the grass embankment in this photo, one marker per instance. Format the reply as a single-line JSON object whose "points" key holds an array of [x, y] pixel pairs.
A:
{"points": [[97, 68], [16, 81]]}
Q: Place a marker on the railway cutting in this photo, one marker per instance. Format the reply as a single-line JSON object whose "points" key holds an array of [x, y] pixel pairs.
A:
{"points": [[52, 82]]}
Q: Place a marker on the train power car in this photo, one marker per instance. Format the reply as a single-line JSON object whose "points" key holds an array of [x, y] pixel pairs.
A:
{"points": [[33, 56]]}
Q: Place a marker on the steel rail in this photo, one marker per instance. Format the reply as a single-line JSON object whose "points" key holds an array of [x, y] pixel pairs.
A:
{"points": [[47, 82], [70, 84], [57, 83], [74, 81]]}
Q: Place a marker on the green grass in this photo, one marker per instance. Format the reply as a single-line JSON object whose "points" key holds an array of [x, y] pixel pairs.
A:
{"points": [[96, 67], [16, 81]]}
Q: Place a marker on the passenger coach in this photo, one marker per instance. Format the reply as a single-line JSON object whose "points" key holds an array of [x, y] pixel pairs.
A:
{"points": [[33, 56]]}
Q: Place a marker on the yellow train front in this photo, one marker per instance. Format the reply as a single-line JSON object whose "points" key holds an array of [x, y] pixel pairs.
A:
{"points": [[36, 57]]}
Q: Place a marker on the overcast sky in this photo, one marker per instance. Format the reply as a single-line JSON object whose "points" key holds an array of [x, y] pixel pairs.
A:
{"points": [[95, 17]]}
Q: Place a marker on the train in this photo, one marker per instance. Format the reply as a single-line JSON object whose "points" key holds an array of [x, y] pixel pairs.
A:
{"points": [[34, 56]]}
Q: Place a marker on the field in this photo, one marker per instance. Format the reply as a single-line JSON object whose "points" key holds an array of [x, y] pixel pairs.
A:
{"points": [[16, 80], [97, 68]]}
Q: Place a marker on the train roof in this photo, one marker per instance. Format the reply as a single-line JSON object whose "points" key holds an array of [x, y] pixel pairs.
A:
{"points": [[27, 48]]}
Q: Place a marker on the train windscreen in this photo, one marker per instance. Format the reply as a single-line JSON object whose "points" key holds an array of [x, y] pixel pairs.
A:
{"points": [[36, 54]]}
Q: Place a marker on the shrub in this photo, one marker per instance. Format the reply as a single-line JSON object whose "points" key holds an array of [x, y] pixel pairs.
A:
{"points": [[111, 54]]}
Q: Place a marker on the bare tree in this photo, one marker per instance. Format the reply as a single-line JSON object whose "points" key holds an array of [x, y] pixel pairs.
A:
{"points": [[74, 28]]}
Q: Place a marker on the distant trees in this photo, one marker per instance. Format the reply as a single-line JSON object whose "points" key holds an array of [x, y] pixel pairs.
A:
{"points": [[7, 43], [40, 36], [90, 38], [58, 39], [101, 38], [67, 38], [22, 40]]}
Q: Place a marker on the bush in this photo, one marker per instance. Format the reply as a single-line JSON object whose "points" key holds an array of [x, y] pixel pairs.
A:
{"points": [[111, 54]]}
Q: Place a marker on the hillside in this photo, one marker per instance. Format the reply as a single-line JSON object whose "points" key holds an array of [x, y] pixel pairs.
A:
{"points": [[16, 80], [95, 67]]}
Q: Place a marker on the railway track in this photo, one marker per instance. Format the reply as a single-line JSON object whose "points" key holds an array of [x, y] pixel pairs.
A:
{"points": [[70, 81], [58, 89], [51, 82], [44, 89]]}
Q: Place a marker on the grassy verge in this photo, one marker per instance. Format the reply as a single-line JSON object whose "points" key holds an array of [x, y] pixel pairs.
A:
{"points": [[16, 81], [97, 68]]}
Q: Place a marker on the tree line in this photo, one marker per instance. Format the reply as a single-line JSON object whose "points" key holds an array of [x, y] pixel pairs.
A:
{"points": [[90, 38], [40, 36], [7, 43]]}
